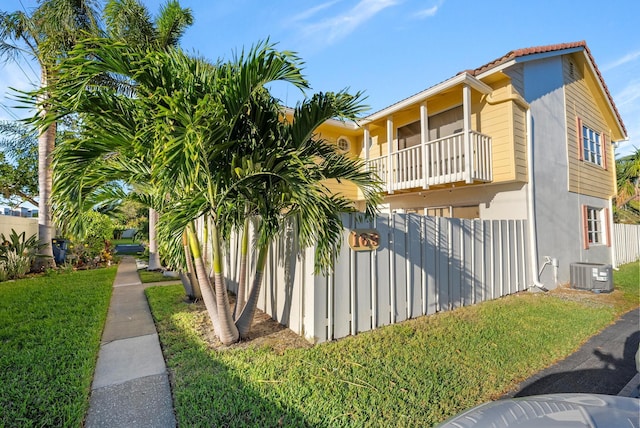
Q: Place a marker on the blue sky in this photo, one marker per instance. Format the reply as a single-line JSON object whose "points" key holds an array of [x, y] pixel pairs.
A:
{"points": [[392, 49]]}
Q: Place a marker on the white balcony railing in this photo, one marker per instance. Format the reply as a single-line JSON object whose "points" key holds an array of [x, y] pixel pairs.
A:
{"points": [[439, 161]]}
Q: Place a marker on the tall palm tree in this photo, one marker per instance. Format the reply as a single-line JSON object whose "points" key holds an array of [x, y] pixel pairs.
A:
{"points": [[130, 21], [47, 34], [215, 144]]}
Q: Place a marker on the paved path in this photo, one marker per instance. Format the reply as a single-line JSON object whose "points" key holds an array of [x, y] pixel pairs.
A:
{"points": [[130, 385], [605, 364]]}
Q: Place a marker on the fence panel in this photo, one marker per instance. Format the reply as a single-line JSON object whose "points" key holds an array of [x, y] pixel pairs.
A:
{"points": [[361, 280], [399, 266], [422, 265], [382, 272], [626, 242]]}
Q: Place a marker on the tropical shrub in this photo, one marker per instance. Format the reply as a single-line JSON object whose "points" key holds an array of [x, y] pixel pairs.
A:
{"points": [[17, 254], [16, 265], [94, 246]]}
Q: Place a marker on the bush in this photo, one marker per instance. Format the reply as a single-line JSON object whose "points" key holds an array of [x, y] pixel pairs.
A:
{"points": [[17, 254], [94, 247], [16, 265]]}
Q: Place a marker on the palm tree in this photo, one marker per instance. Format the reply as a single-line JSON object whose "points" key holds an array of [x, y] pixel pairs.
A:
{"points": [[628, 183], [46, 34], [129, 20], [215, 144]]}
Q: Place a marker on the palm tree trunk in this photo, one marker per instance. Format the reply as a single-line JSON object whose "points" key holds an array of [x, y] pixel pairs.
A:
{"points": [[246, 316], [228, 330], [154, 258], [242, 278], [191, 275], [46, 144], [208, 297]]}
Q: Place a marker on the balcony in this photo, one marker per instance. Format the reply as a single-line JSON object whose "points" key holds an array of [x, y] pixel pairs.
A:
{"points": [[437, 162]]}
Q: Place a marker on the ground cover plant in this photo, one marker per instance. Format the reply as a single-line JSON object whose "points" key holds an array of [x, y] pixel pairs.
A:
{"points": [[50, 329], [416, 373]]}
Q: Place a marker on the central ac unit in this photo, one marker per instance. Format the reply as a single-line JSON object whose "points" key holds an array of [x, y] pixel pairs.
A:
{"points": [[595, 277]]}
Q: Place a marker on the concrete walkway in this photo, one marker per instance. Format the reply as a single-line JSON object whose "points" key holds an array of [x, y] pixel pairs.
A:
{"points": [[130, 385]]}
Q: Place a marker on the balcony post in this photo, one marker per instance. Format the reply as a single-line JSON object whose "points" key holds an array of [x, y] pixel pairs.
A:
{"points": [[424, 138], [468, 147], [390, 150], [366, 142]]}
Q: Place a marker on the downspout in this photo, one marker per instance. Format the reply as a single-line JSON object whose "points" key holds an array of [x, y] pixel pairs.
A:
{"points": [[533, 247]]}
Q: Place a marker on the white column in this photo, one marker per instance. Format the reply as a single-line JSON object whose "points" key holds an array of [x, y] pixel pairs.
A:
{"points": [[390, 149], [466, 109], [424, 138], [366, 142]]}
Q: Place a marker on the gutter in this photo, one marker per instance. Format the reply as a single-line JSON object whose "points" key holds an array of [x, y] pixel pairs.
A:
{"points": [[533, 246]]}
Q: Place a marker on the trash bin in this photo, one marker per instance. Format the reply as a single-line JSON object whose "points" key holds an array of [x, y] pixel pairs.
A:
{"points": [[60, 248]]}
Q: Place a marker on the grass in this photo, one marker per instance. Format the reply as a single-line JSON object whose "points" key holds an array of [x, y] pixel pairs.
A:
{"points": [[153, 276], [50, 329], [416, 373]]}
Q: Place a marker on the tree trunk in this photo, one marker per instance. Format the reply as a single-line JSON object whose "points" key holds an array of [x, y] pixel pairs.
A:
{"points": [[245, 319], [228, 329], [46, 144], [208, 297], [191, 275], [154, 258], [242, 278]]}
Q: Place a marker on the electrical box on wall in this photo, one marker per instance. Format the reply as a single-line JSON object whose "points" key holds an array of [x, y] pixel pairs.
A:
{"points": [[592, 276]]}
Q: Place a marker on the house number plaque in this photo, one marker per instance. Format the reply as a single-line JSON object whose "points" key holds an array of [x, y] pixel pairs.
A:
{"points": [[364, 239]]}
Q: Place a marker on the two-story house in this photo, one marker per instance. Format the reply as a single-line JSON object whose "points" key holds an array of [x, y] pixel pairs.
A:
{"points": [[527, 136]]}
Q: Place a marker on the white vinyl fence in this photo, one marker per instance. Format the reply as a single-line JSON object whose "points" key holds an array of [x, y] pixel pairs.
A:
{"points": [[626, 242], [423, 265]]}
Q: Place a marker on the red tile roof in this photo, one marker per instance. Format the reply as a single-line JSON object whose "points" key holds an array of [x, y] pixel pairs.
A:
{"points": [[551, 48]]}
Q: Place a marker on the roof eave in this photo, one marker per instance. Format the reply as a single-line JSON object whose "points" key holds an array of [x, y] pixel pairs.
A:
{"points": [[462, 78]]}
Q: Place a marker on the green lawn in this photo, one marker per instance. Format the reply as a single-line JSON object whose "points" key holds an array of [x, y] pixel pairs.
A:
{"points": [[50, 329], [152, 276], [416, 373]]}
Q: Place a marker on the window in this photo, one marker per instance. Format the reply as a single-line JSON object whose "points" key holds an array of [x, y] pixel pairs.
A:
{"points": [[344, 144], [409, 135], [446, 123], [441, 125], [595, 227], [591, 146]]}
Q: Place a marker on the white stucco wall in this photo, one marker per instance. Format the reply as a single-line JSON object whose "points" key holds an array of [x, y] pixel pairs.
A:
{"points": [[19, 224]]}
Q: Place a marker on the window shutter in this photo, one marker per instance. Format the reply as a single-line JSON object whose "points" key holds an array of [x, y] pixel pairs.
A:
{"points": [[579, 138], [607, 226], [603, 148], [585, 228]]}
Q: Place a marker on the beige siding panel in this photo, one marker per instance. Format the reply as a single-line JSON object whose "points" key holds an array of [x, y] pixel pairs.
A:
{"points": [[584, 177], [348, 190], [496, 121], [520, 142]]}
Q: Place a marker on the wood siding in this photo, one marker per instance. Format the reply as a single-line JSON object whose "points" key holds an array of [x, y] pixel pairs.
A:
{"points": [[331, 135], [497, 122], [584, 177]]}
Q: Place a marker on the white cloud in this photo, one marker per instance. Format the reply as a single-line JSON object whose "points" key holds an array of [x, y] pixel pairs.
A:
{"points": [[629, 96], [628, 102], [312, 11], [337, 27], [621, 61], [429, 12]]}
